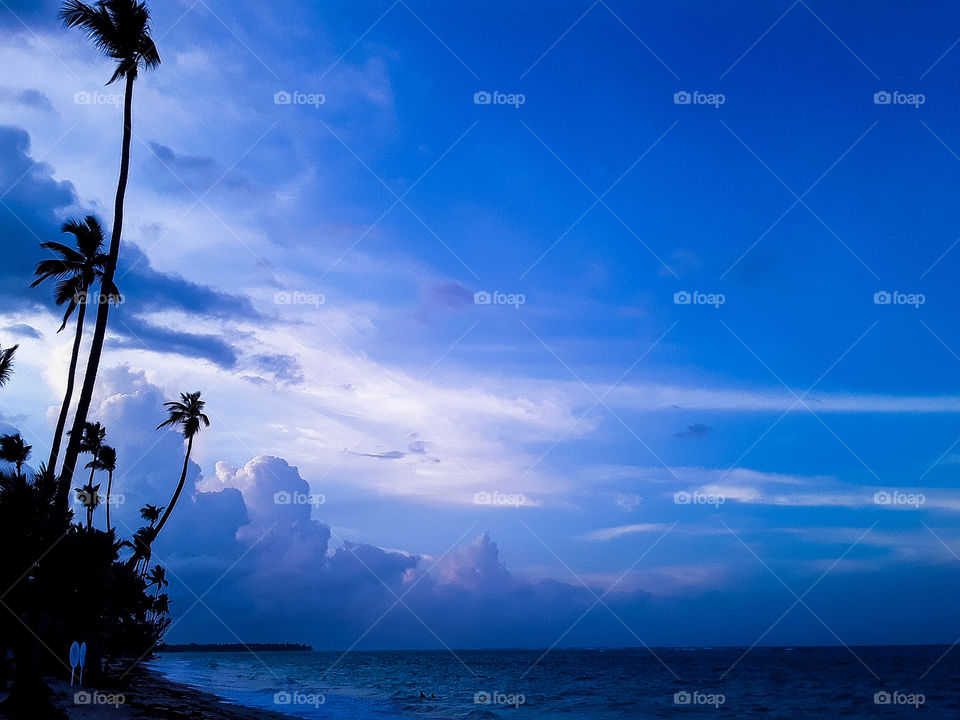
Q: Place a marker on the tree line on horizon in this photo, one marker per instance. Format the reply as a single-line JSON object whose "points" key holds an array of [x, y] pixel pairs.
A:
{"points": [[62, 581]]}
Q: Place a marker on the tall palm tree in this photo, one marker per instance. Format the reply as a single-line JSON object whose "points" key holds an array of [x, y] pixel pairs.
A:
{"points": [[187, 413], [13, 450], [6, 363], [121, 30], [107, 462], [89, 496], [76, 270]]}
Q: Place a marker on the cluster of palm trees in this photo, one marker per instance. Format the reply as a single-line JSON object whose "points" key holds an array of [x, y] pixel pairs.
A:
{"points": [[84, 273]]}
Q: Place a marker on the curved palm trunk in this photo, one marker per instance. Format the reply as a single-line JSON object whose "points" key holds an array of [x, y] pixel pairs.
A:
{"points": [[68, 396], [176, 494], [109, 488], [103, 308]]}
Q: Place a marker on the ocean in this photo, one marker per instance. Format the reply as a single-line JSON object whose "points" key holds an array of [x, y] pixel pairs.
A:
{"points": [[862, 682]]}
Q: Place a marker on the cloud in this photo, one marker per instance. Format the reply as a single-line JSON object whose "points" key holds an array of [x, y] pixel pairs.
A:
{"points": [[24, 330], [33, 204], [450, 295], [417, 447], [26, 98], [282, 368], [143, 335], [389, 455], [148, 290], [32, 212], [695, 431], [191, 175], [611, 533]]}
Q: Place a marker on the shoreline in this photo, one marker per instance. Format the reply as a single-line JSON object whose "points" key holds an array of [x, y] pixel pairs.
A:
{"points": [[145, 693]]}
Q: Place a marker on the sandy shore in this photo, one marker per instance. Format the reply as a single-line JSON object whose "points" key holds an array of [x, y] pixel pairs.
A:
{"points": [[144, 693]]}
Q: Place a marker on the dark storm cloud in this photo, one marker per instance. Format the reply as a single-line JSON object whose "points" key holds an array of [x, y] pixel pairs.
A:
{"points": [[32, 210], [139, 334]]}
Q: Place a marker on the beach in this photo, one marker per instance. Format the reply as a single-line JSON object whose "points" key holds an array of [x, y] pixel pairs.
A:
{"points": [[144, 693]]}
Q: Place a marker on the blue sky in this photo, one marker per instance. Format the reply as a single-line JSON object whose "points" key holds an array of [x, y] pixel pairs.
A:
{"points": [[381, 212]]}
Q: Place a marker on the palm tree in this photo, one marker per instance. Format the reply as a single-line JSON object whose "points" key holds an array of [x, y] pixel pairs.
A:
{"points": [[91, 441], [151, 513], [161, 605], [107, 462], [6, 364], [121, 30], [141, 542], [187, 413], [14, 451], [77, 271], [89, 496], [158, 577]]}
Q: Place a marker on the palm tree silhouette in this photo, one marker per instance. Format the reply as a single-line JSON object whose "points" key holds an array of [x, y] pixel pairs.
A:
{"points": [[161, 605], [77, 271], [14, 451], [89, 496], [187, 413], [107, 462], [121, 30], [151, 513], [6, 363], [141, 542], [143, 538], [158, 577], [91, 441]]}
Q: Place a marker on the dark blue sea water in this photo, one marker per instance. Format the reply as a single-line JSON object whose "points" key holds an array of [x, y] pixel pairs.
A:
{"points": [[818, 683]]}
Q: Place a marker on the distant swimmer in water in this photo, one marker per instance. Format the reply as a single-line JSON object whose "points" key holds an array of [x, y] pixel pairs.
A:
{"points": [[422, 696]]}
